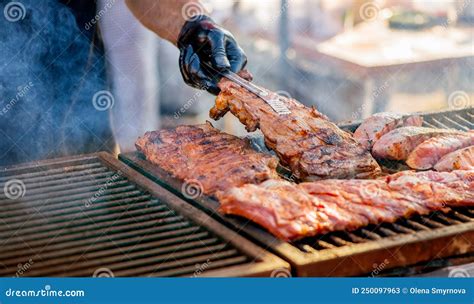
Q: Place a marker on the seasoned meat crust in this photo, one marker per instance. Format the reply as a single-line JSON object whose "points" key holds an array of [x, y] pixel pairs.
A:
{"points": [[203, 154], [375, 126], [399, 143], [305, 140], [429, 152], [293, 211], [462, 159]]}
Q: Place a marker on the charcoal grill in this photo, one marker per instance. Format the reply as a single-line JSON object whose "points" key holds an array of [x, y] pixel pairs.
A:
{"points": [[92, 215], [371, 249]]}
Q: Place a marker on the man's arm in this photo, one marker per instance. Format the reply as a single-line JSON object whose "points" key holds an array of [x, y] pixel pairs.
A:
{"points": [[201, 42], [164, 17]]}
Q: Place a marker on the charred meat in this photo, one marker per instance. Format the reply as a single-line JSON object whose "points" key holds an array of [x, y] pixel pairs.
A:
{"points": [[305, 140], [202, 154]]}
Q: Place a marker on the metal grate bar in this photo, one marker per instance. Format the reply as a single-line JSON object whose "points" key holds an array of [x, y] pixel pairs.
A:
{"points": [[78, 216]]}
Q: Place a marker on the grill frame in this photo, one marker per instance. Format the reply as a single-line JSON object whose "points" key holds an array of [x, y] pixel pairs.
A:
{"points": [[260, 262], [357, 259]]}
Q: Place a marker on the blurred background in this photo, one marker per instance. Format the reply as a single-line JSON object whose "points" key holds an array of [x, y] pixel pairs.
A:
{"points": [[347, 58]]}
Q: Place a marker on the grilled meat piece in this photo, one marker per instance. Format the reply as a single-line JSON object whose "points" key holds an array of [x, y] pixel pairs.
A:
{"points": [[399, 143], [305, 140], [293, 211], [206, 158], [374, 127], [429, 152], [462, 159]]}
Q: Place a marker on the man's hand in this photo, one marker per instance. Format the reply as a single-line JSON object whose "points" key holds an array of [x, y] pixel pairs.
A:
{"points": [[198, 38], [201, 42]]}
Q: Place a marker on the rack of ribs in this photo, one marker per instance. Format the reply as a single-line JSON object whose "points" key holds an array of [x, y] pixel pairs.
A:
{"points": [[306, 141], [293, 211], [203, 154]]}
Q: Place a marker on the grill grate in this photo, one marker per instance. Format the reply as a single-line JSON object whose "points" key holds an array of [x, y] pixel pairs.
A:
{"points": [[81, 217], [405, 242], [376, 232]]}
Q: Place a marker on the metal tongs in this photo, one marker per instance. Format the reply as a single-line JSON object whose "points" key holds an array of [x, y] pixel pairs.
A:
{"points": [[272, 99]]}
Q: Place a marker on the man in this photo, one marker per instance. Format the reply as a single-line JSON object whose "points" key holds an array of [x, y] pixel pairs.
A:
{"points": [[55, 93]]}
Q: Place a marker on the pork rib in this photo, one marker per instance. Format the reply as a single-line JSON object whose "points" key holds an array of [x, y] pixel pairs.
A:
{"points": [[429, 152], [212, 159], [293, 211], [305, 140], [375, 126], [399, 143], [462, 159]]}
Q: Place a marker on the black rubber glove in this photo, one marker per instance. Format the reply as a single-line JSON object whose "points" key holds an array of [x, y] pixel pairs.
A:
{"points": [[200, 41]]}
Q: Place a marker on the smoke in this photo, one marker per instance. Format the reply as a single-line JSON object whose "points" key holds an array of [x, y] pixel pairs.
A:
{"points": [[49, 75]]}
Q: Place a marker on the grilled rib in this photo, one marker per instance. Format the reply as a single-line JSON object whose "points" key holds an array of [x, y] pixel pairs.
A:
{"points": [[397, 144], [429, 152], [375, 126], [305, 140], [462, 159], [293, 211], [202, 153]]}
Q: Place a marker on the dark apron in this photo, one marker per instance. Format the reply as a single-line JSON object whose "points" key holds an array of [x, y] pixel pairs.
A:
{"points": [[52, 66]]}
